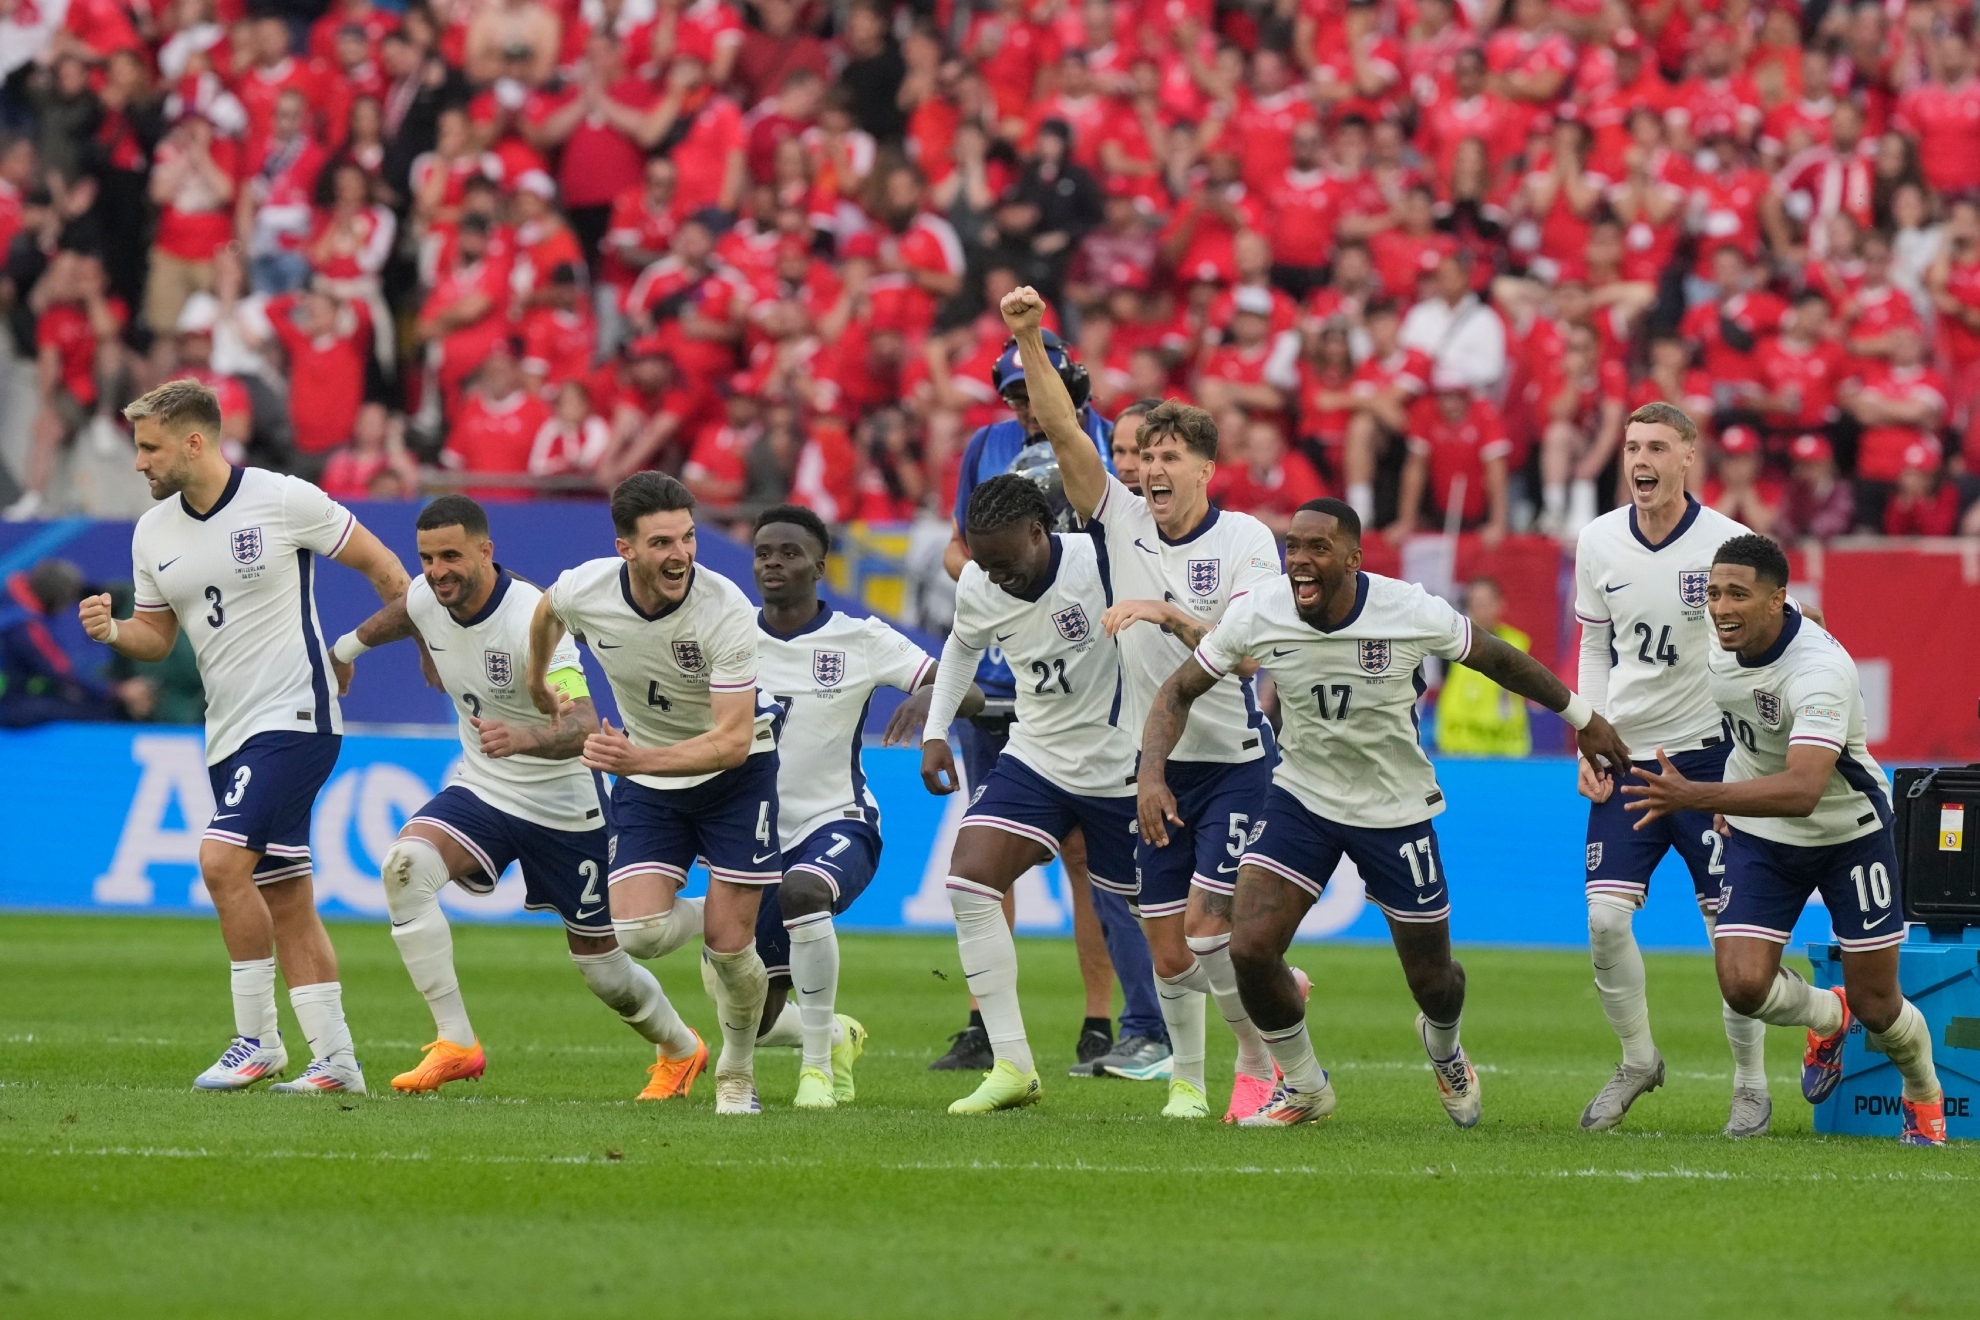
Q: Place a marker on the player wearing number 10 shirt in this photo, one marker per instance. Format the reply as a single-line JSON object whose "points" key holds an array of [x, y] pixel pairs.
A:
{"points": [[1640, 574], [518, 792], [1345, 648], [696, 764]]}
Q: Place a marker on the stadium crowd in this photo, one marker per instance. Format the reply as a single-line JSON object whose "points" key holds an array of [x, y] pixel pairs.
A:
{"points": [[1421, 254]]}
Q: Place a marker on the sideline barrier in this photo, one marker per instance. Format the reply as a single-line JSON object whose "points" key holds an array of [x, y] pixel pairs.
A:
{"points": [[108, 819]]}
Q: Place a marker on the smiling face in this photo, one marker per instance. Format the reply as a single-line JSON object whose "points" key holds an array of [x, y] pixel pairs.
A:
{"points": [[1013, 557], [788, 564], [660, 553], [1745, 609], [1655, 459], [455, 563], [1321, 559]]}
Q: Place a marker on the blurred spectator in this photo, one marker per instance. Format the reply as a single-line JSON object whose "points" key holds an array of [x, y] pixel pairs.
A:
{"points": [[1269, 481], [377, 447], [1456, 469], [1739, 486], [326, 342], [40, 682], [1475, 716], [192, 181], [1463, 338], [1924, 502], [78, 359], [1819, 503], [496, 427]]}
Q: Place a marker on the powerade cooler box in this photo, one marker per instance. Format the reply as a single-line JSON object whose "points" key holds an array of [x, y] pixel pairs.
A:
{"points": [[1937, 837]]}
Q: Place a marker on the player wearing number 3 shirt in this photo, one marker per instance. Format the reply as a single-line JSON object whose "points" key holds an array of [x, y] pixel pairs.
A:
{"points": [[1344, 648], [518, 794]]}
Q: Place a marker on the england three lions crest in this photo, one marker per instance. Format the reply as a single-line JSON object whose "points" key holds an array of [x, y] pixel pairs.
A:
{"points": [[246, 545], [499, 667], [1071, 623], [1374, 656], [1769, 708], [1594, 856], [828, 667], [1691, 586], [1204, 576], [688, 656]]}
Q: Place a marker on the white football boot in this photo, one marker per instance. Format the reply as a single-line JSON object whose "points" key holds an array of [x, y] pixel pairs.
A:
{"points": [[245, 1062]]}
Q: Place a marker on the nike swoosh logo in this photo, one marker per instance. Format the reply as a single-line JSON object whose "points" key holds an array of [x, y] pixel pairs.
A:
{"points": [[758, 861], [582, 916], [168, 563], [1225, 870], [1005, 638], [229, 816], [431, 647], [408, 922], [1872, 925], [1288, 651], [819, 991], [1425, 898], [1150, 549], [610, 646], [1618, 587]]}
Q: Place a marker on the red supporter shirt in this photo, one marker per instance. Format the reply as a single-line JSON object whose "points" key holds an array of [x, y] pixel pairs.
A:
{"points": [[557, 344], [1301, 206], [1946, 122], [1458, 449], [1264, 126], [1401, 260], [326, 375], [1728, 207], [260, 88], [721, 453], [1961, 341], [1814, 372], [1450, 121], [598, 161], [1009, 55], [64, 327], [1759, 314], [196, 233], [1880, 450], [497, 437], [1279, 491], [701, 158], [636, 224]]}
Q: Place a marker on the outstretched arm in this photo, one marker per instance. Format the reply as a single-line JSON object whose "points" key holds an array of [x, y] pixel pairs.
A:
{"points": [[367, 554], [1795, 791], [1519, 673], [1155, 804], [1080, 465]]}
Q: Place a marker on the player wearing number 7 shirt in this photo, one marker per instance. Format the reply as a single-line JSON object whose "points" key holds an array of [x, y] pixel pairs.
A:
{"points": [[1345, 649], [518, 794], [232, 560], [696, 762]]}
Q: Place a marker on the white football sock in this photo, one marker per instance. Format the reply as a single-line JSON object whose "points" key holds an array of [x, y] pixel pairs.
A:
{"points": [[659, 935], [1619, 979], [815, 976], [1182, 1012], [1908, 1045], [1747, 1037], [1439, 1039], [254, 1000], [989, 962], [1213, 955], [1292, 1050], [1361, 498], [1581, 504], [1792, 1002], [320, 1009], [414, 874], [635, 995], [737, 983], [787, 1032]]}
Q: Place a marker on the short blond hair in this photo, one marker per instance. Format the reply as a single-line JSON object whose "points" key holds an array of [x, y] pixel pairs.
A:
{"points": [[182, 405], [1660, 413]]}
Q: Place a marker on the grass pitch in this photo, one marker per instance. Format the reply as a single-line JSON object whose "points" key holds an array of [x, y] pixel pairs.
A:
{"points": [[544, 1191]]}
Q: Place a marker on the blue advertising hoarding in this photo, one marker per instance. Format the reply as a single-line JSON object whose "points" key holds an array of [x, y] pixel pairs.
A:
{"points": [[107, 818]]}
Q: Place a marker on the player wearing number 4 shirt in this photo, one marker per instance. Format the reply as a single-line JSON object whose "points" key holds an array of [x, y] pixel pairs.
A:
{"points": [[1069, 763], [232, 560], [1640, 576], [1177, 563], [821, 669], [1806, 810], [696, 765], [1344, 647], [518, 794]]}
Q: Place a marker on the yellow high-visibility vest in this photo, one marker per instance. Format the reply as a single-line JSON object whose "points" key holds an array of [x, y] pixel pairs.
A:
{"points": [[1477, 717]]}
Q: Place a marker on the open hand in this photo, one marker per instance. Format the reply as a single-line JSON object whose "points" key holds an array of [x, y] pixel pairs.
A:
{"points": [[1658, 795]]}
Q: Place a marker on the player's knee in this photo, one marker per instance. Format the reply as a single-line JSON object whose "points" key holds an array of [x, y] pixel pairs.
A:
{"points": [[1607, 921], [1745, 990], [804, 894], [414, 874], [1254, 956], [659, 935], [1876, 1007], [611, 978]]}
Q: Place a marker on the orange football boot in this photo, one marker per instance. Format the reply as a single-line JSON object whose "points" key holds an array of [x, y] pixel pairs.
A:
{"points": [[444, 1062], [674, 1078]]}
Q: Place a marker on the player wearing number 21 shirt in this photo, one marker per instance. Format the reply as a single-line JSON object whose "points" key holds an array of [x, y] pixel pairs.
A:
{"points": [[519, 793], [1806, 811], [1344, 648], [696, 763]]}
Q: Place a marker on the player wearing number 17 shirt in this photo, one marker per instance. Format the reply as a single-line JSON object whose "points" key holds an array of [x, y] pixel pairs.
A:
{"points": [[696, 763], [1345, 648], [1640, 574], [518, 793], [1806, 810], [230, 556]]}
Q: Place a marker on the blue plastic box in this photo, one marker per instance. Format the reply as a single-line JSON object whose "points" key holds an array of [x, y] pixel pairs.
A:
{"points": [[1940, 972]]}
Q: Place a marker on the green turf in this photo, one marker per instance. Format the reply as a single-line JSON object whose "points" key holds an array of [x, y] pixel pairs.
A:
{"points": [[543, 1191]]}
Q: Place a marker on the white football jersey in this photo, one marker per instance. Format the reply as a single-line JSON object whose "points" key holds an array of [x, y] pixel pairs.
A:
{"points": [[663, 666], [1068, 671], [240, 578], [1653, 599], [482, 662], [822, 678], [1347, 698], [1227, 555], [1803, 690]]}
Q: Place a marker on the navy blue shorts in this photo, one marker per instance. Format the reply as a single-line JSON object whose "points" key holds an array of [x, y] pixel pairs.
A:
{"points": [[1018, 800], [1218, 804], [1402, 868], [563, 870], [846, 853], [1768, 884], [729, 823], [262, 796], [1621, 857]]}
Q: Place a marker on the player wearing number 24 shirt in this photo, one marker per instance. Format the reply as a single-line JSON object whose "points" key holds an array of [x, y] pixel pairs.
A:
{"points": [[519, 793], [230, 555], [1806, 810], [1345, 648]]}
